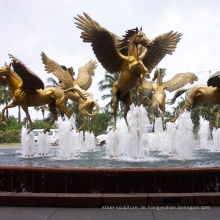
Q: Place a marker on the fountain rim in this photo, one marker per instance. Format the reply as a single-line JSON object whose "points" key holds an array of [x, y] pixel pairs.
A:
{"points": [[110, 169]]}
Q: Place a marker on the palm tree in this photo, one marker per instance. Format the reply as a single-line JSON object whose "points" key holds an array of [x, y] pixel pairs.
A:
{"points": [[43, 108], [52, 82], [107, 83]]}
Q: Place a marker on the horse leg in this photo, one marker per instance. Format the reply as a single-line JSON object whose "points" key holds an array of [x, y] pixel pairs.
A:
{"points": [[11, 105], [177, 115], [61, 105], [91, 117], [163, 113], [83, 113], [140, 89], [53, 111], [153, 123], [217, 119], [127, 102], [64, 109], [25, 108], [91, 123], [114, 103], [162, 108]]}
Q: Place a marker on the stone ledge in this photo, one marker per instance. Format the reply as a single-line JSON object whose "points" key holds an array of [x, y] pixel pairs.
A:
{"points": [[108, 199]]}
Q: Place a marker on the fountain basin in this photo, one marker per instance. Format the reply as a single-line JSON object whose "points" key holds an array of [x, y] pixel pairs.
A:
{"points": [[109, 180]]}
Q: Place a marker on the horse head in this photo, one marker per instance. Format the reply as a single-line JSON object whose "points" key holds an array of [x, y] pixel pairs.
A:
{"points": [[159, 74], [5, 69], [140, 38]]}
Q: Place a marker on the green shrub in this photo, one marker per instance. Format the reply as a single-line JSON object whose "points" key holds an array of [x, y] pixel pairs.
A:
{"points": [[10, 136]]}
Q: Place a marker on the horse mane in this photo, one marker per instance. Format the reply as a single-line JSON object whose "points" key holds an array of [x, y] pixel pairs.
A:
{"points": [[123, 43], [160, 70], [69, 70], [155, 74], [64, 67]]}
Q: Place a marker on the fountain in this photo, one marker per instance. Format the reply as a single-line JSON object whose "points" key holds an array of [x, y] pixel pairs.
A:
{"points": [[132, 161], [134, 147], [27, 141], [204, 133]]}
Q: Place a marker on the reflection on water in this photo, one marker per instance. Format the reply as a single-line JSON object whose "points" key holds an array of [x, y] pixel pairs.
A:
{"points": [[98, 158]]}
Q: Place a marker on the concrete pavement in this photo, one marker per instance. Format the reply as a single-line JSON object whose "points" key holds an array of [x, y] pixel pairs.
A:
{"points": [[150, 213]]}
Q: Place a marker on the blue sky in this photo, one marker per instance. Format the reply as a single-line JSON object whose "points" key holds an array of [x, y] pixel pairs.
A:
{"points": [[29, 27]]}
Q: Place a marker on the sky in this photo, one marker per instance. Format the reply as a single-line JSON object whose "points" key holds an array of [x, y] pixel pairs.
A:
{"points": [[29, 27]]}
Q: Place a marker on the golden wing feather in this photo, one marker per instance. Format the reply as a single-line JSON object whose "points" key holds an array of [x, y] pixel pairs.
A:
{"points": [[57, 70], [103, 43], [148, 86], [29, 78], [180, 80], [159, 47], [85, 73]]}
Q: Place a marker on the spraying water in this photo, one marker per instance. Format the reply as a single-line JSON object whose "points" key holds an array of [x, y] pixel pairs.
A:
{"points": [[27, 142], [43, 143], [216, 139], [204, 133], [129, 143], [134, 144]]}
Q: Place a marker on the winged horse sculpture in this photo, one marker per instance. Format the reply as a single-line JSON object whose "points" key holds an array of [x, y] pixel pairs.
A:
{"points": [[82, 83], [28, 90], [159, 87], [209, 94], [117, 54]]}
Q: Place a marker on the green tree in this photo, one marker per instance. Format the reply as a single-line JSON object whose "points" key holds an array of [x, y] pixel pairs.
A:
{"points": [[101, 122], [43, 108], [5, 96], [107, 84], [52, 82]]}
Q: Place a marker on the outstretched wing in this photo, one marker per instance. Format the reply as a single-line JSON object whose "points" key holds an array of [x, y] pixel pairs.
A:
{"points": [[57, 70], [159, 47], [85, 73], [214, 80], [148, 86], [180, 80], [29, 78], [103, 43]]}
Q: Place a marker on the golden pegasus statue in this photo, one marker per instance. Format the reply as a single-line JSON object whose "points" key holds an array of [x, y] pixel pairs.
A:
{"points": [[159, 87], [28, 90], [82, 84], [117, 54], [209, 94]]}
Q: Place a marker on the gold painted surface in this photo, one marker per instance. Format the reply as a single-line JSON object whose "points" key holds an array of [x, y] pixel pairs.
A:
{"points": [[159, 87], [27, 94], [197, 94], [68, 83], [116, 54]]}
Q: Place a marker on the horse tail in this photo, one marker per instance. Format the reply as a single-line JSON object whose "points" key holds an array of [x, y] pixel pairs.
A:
{"points": [[83, 96], [96, 110], [176, 95]]}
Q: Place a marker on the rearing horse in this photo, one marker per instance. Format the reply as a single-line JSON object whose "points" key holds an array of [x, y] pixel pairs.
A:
{"points": [[116, 54], [28, 90], [132, 74]]}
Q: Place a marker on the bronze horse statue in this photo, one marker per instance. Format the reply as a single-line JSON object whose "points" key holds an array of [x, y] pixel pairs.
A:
{"points": [[82, 83], [28, 90], [159, 87], [199, 93], [116, 54]]}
